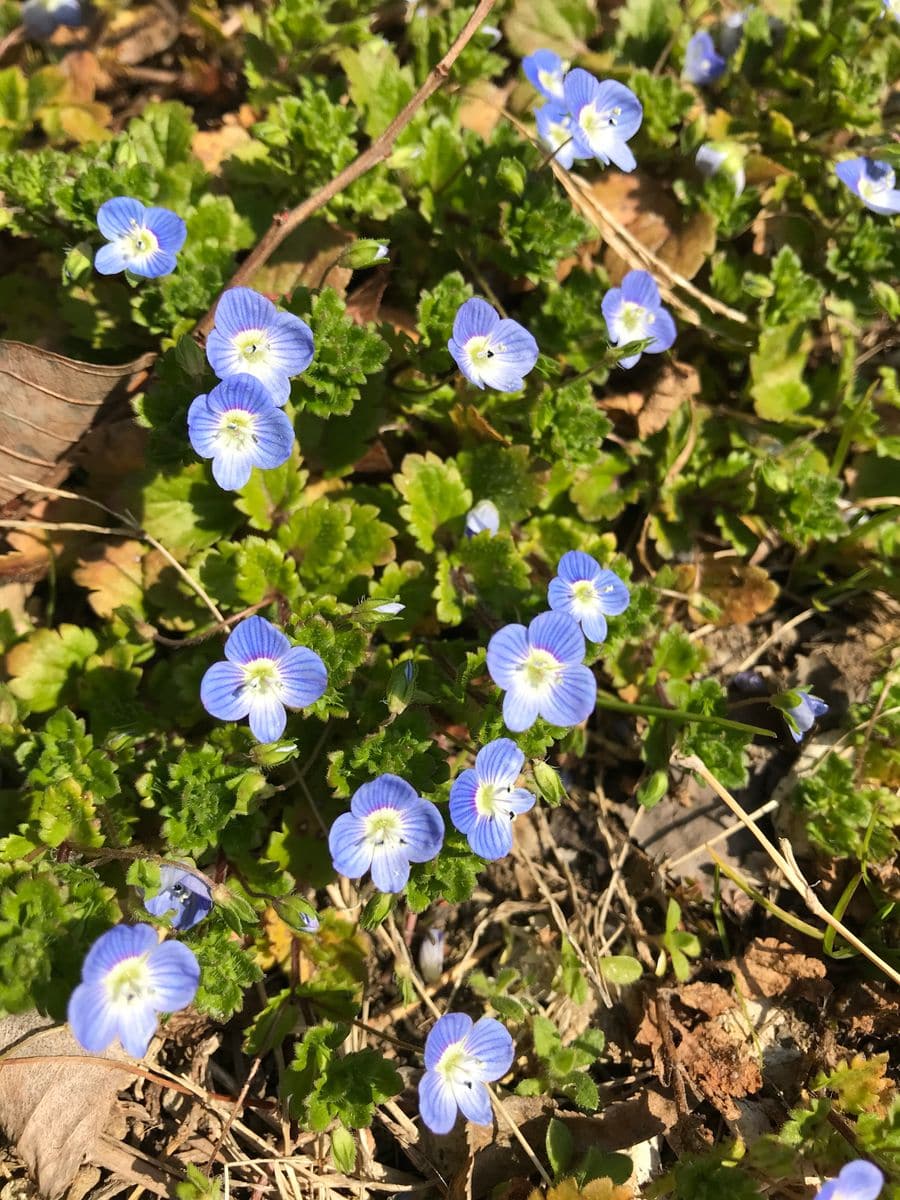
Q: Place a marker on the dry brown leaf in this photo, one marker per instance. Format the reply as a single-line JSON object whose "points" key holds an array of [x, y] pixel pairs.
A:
{"points": [[742, 592], [364, 304], [47, 403], [53, 1111], [674, 385], [136, 34], [770, 968], [213, 146], [650, 215], [113, 576], [85, 76], [307, 258], [467, 419], [597, 1189], [483, 107]]}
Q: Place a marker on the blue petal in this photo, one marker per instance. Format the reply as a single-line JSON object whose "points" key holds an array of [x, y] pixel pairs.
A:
{"points": [[519, 801], [169, 229], [614, 594], [860, 1180], [119, 216], [461, 358], [561, 597], [612, 96], [491, 837], [351, 854], [92, 1017], [423, 830], [621, 155], [500, 762], [231, 470], [390, 868], [474, 318], [576, 566], [159, 263], [303, 677], [203, 427], [490, 1042], [639, 287], [702, 63], [559, 635], [437, 1105], [572, 699], [447, 1031], [474, 1103], [292, 343], [110, 259], [267, 718], [520, 708], [274, 436], [483, 518], [222, 692], [580, 88], [507, 650], [175, 975], [241, 309], [595, 627], [664, 330], [543, 62], [387, 791], [628, 361], [827, 1191], [611, 307], [240, 392], [254, 638], [137, 1025], [113, 947], [463, 812]]}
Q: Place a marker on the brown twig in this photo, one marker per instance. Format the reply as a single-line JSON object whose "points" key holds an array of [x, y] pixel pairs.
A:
{"points": [[284, 224]]}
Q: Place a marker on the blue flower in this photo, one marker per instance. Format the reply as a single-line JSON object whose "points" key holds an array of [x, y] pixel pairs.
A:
{"points": [[588, 592], [183, 897], [483, 518], [42, 18], [873, 181], [484, 799], [702, 62], [604, 117], [388, 827], [859, 1180], [556, 131], [491, 351], [251, 337], [128, 978], [633, 312], [542, 671], [460, 1058], [310, 923], [713, 157], [141, 240], [801, 717], [238, 426], [546, 71], [263, 673]]}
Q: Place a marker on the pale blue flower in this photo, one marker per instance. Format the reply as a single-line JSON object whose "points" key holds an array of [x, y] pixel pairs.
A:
{"points": [[605, 116], [702, 62], [858, 1180], [128, 979], [182, 897], [42, 18], [713, 157], [460, 1059], [144, 241], [633, 312], [542, 671], [588, 592], [873, 181], [489, 351], [238, 426], [262, 674], [545, 71], [431, 955], [388, 827], [556, 131], [484, 799], [483, 518], [252, 337], [801, 718]]}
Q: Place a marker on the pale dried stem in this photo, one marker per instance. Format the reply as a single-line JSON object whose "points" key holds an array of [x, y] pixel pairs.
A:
{"points": [[775, 636], [284, 224], [786, 863]]}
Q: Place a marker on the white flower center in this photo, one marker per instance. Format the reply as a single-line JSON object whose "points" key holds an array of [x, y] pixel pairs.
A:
{"points": [[558, 133], [140, 242], [540, 669], [552, 82], [237, 431], [491, 799], [634, 319], [871, 189], [253, 346], [595, 124], [584, 596], [481, 350], [262, 678], [129, 983], [385, 828], [459, 1068]]}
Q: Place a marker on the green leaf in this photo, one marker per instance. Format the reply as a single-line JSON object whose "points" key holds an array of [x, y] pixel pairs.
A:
{"points": [[620, 969], [776, 370], [560, 1146], [343, 1150], [44, 666], [347, 355], [379, 86], [434, 493]]}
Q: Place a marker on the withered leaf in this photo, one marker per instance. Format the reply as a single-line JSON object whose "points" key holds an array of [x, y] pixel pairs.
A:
{"points": [[307, 258], [676, 383], [53, 1111], [47, 403], [113, 575], [742, 592]]}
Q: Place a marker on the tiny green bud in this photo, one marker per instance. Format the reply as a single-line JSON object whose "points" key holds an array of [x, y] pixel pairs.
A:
{"points": [[652, 790], [365, 252], [273, 754], [377, 909], [512, 175], [548, 783], [79, 263], [402, 687]]}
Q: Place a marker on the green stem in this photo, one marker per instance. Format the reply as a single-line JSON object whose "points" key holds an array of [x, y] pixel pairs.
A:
{"points": [[604, 700], [749, 890]]}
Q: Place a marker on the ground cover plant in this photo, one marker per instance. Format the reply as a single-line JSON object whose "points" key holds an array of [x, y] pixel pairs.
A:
{"points": [[448, 599]]}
